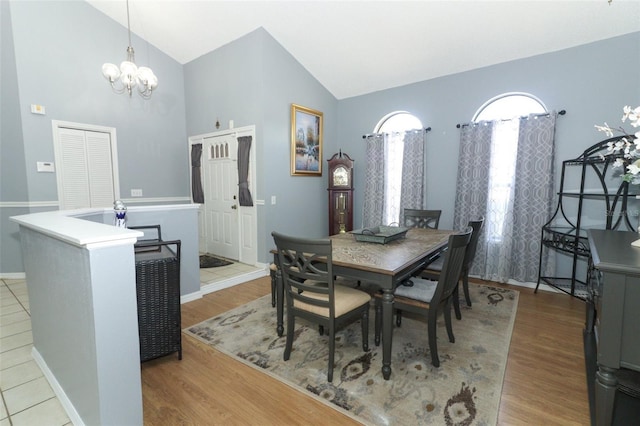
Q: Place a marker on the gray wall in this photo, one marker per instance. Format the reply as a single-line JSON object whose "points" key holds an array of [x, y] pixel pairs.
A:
{"points": [[13, 180], [585, 81], [253, 80], [52, 55]]}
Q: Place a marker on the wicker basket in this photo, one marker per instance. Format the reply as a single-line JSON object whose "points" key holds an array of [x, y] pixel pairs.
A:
{"points": [[158, 293]]}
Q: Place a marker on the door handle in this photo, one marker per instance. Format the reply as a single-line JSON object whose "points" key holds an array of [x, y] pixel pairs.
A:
{"points": [[234, 206]]}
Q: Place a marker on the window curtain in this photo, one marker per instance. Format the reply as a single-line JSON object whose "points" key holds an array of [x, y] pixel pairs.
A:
{"points": [[394, 178], [196, 182], [515, 204], [372, 214], [413, 184], [244, 147]]}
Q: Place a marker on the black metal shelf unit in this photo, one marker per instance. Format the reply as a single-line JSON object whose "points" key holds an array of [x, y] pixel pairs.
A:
{"points": [[569, 236]]}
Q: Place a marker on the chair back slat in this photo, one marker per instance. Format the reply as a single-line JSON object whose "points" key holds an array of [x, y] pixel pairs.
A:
{"points": [[452, 266], [307, 272], [414, 218], [470, 254]]}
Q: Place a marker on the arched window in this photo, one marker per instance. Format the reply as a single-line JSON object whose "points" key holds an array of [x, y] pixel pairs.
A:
{"points": [[509, 105], [397, 121], [394, 125], [503, 109], [505, 173]]}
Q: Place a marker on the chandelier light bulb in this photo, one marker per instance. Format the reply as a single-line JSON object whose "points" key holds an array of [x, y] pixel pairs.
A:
{"points": [[110, 72], [125, 78]]}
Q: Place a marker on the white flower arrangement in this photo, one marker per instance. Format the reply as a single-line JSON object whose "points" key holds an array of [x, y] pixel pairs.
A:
{"points": [[628, 146]]}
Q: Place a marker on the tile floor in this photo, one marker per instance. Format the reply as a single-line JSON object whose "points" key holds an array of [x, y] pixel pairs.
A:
{"points": [[27, 398], [221, 273]]}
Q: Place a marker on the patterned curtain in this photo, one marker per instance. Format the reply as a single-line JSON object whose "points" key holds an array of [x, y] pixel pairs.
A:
{"points": [[374, 182], [473, 182], [506, 174], [244, 147], [413, 184], [196, 181], [534, 194]]}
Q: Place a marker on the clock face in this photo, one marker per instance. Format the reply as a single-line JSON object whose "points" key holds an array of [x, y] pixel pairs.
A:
{"points": [[340, 176]]}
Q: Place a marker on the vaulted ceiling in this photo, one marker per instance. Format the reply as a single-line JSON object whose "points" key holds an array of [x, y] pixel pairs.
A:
{"points": [[358, 47]]}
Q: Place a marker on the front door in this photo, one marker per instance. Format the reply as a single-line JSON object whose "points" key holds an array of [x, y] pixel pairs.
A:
{"points": [[219, 161]]}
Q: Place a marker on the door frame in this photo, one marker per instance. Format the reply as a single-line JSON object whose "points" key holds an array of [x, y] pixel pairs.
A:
{"points": [[246, 254], [57, 152]]}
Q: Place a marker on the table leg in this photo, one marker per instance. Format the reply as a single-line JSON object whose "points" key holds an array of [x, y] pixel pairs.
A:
{"points": [[279, 303], [387, 332]]}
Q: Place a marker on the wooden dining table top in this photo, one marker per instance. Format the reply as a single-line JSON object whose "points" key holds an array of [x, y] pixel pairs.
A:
{"points": [[389, 258]]}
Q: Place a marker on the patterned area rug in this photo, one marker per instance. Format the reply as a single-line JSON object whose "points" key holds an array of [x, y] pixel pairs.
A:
{"points": [[465, 390], [209, 261]]}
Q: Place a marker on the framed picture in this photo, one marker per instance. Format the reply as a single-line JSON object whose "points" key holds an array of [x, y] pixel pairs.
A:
{"points": [[306, 141]]}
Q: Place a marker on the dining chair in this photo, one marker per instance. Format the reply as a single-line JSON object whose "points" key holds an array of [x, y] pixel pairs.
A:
{"points": [[272, 273], [430, 298], [414, 218], [311, 292], [434, 269]]}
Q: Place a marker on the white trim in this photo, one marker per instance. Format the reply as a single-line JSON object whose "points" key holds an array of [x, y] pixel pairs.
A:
{"points": [[57, 151], [542, 286], [68, 407], [13, 276], [191, 297], [28, 204], [63, 226], [233, 281], [103, 244], [41, 204], [137, 200]]}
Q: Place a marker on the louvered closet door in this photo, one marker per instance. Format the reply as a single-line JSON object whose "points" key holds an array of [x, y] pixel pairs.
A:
{"points": [[85, 169]]}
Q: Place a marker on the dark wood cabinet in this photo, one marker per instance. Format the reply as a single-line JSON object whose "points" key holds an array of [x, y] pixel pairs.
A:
{"points": [[614, 317], [340, 193]]}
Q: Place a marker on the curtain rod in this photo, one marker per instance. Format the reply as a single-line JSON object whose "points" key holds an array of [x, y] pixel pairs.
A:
{"points": [[561, 112], [426, 129]]}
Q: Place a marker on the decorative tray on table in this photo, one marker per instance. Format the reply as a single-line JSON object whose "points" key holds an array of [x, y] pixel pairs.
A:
{"points": [[380, 234]]}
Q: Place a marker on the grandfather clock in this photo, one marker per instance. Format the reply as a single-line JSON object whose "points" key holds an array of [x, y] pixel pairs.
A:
{"points": [[340, 193]]}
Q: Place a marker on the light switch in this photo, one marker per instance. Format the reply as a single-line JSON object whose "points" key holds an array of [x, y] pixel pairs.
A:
{"points": [[136, 192], [45, 167], [273, 200]]}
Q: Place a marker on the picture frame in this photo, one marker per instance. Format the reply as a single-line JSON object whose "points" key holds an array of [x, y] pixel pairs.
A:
{"points": [[306, 141]]}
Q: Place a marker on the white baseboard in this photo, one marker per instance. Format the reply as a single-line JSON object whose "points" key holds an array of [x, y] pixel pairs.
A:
{"points": [[12, 276], [239, 279], [68, 407], [191, 297], [542, 286]]}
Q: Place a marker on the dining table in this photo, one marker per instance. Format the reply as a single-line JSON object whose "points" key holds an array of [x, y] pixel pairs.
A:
{"points": [[384, 266]]}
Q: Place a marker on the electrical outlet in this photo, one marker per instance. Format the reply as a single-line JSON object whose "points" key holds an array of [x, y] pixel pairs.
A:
{"points": [[136, 192]]}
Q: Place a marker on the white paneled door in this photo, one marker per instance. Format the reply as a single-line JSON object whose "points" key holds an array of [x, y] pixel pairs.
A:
{"points": [[225, 227], [220, 167]]}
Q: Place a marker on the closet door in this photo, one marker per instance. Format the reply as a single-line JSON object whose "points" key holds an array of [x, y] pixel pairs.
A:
{"points": [[85, 169]]}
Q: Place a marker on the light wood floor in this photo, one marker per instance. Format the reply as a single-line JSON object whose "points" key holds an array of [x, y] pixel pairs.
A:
{"points": [[544, 383]]}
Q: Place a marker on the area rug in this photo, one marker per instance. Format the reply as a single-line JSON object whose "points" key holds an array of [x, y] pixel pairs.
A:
{"points": [[464, 390], [210, 261]]}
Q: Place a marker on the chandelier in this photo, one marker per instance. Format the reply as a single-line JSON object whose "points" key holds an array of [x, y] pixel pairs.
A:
{"points": [[129, 75]]}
